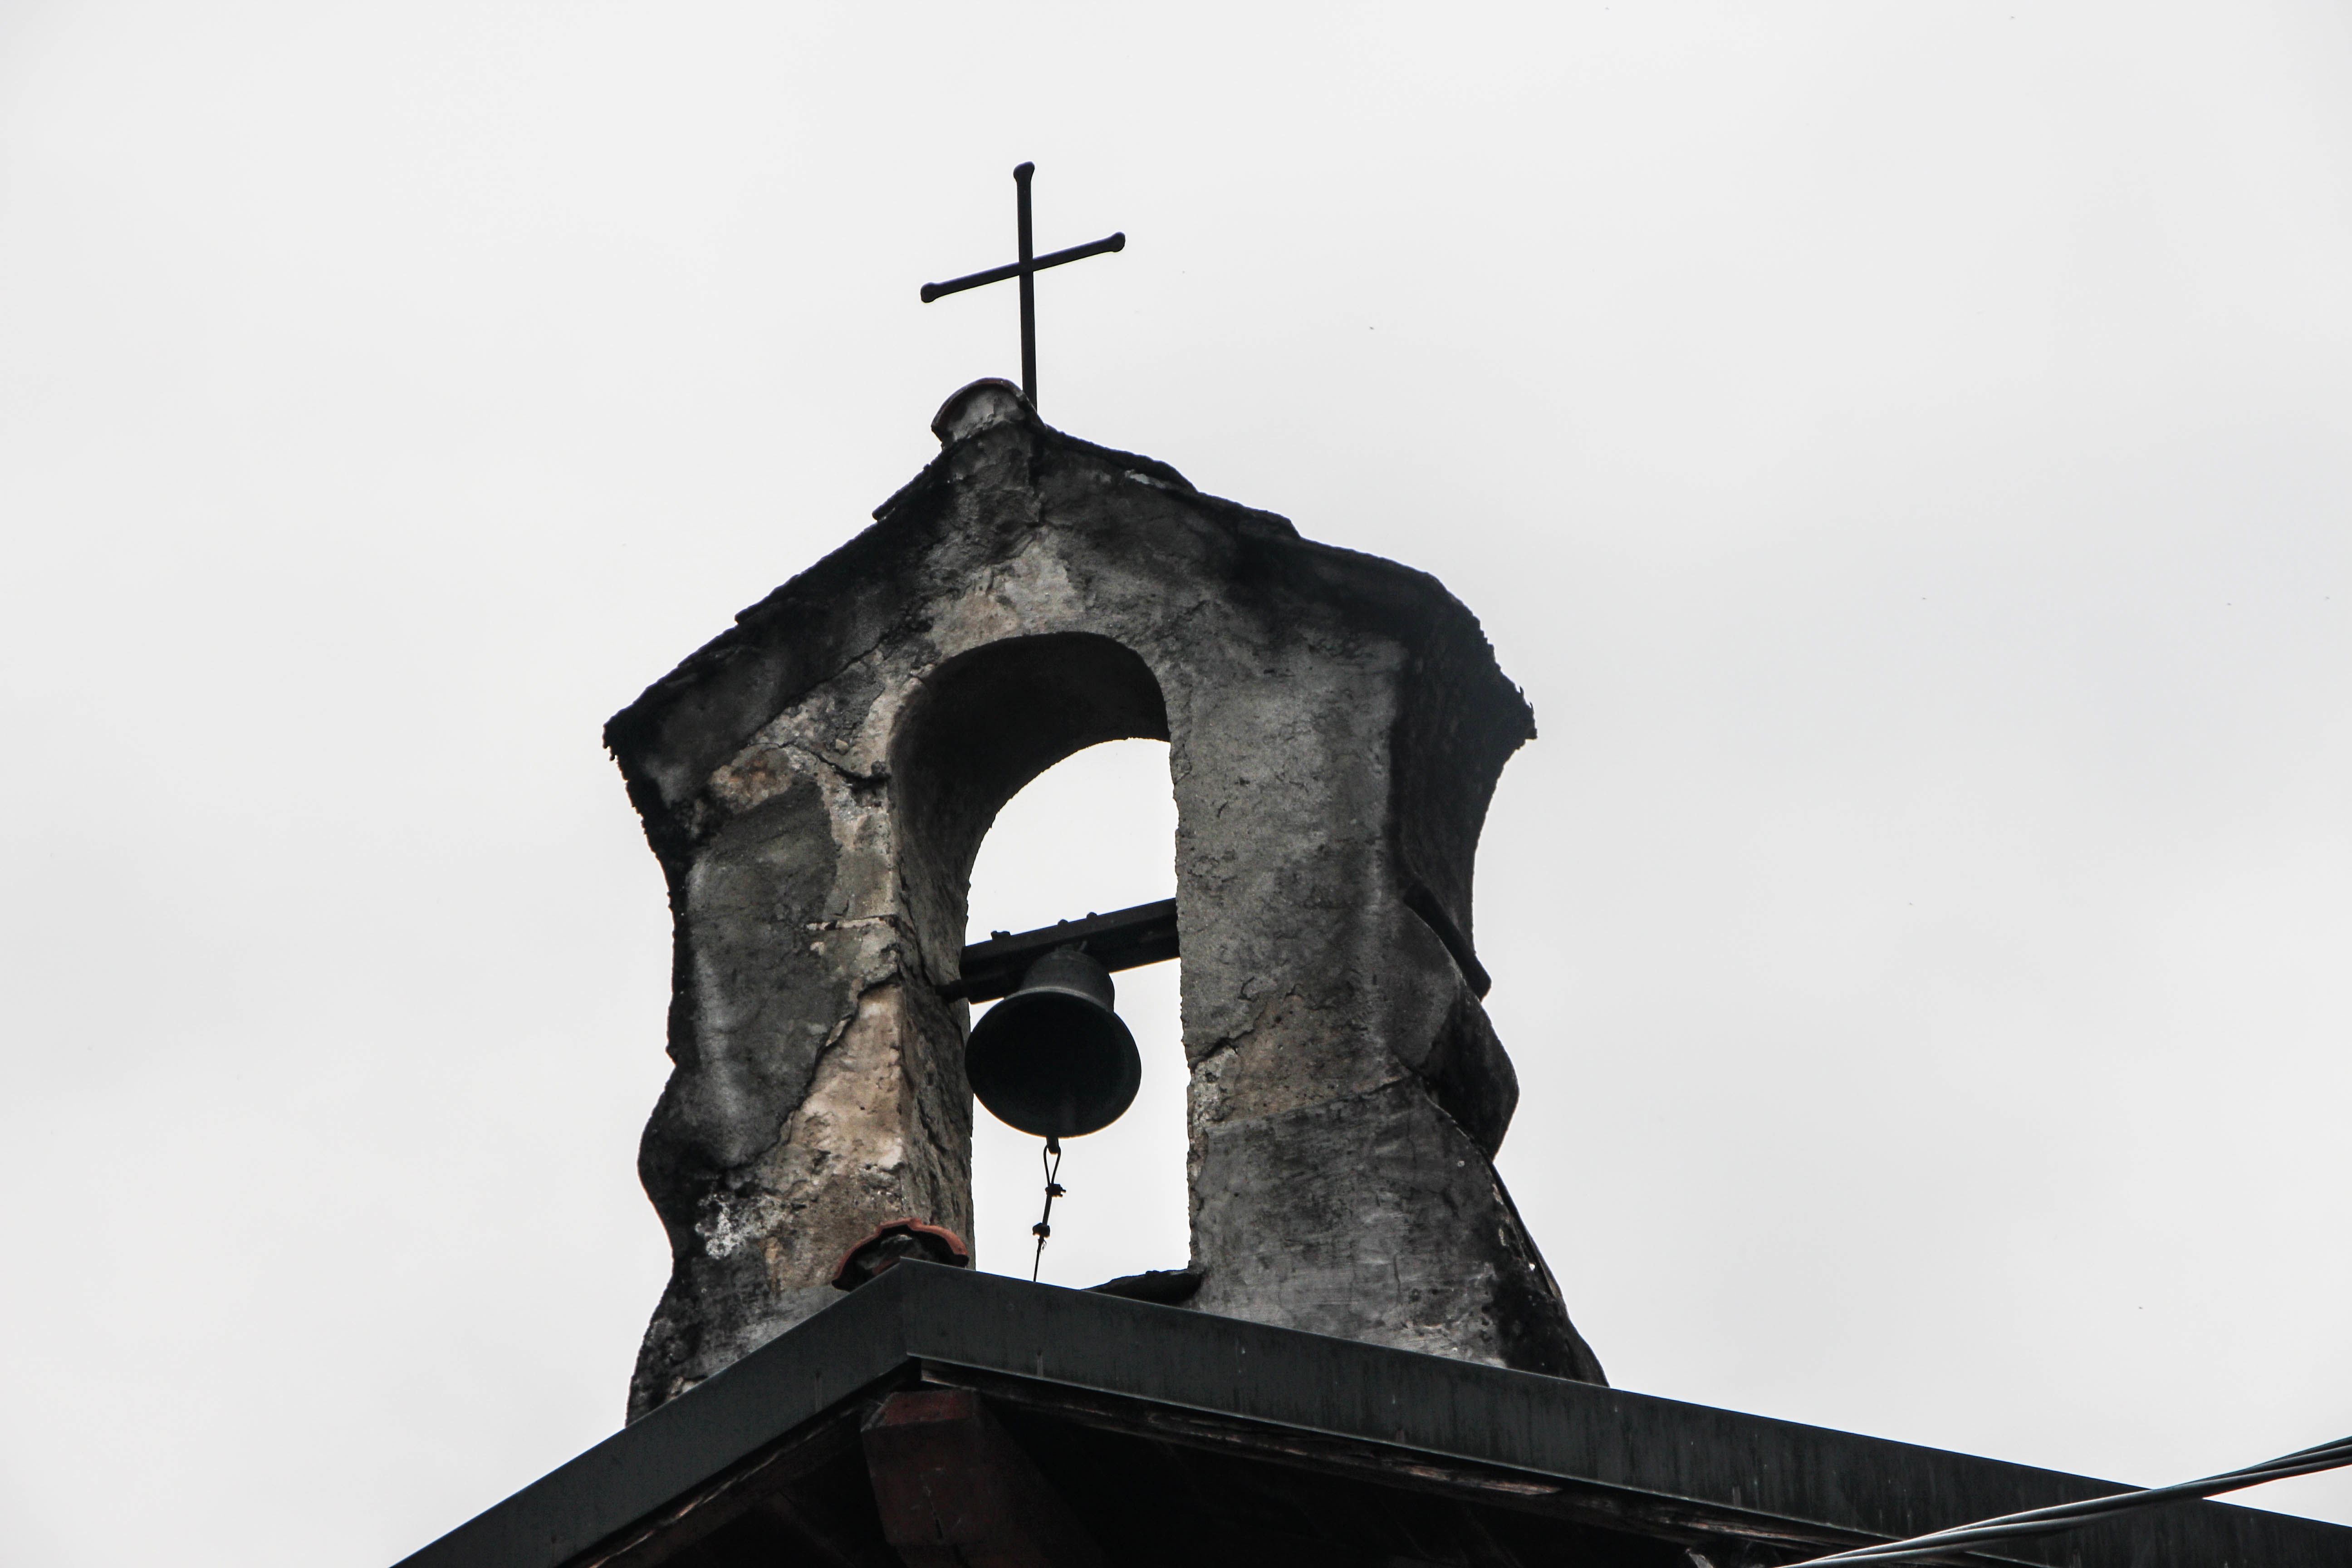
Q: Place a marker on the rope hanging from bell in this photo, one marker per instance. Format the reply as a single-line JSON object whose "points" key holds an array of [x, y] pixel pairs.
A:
{"points": [[1044, 1228]]}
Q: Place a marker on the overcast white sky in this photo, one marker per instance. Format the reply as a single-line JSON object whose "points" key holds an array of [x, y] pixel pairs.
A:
{"points": [[1903, 451]]}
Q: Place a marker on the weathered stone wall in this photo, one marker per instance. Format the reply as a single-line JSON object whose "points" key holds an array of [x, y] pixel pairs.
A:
{"points": [[816, 782]]}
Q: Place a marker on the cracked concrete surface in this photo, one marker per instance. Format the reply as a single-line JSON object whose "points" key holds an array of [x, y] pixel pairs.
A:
{"points": [[817, 781]]}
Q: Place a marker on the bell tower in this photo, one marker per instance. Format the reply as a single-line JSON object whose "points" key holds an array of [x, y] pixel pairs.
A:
{"points": [[817, 779]]}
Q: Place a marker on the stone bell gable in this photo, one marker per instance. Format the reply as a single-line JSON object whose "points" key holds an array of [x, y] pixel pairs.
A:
{"points": [[816, 782]]}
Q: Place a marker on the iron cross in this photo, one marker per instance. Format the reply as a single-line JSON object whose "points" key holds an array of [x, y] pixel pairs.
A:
{"points": [[1026, 269]]}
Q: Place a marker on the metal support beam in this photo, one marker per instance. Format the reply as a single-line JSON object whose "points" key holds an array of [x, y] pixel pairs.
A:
{"points": [[1123, 939]]}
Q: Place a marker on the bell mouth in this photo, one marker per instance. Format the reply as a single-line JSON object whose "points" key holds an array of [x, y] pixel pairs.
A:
{"points": [[1051, 1059]]}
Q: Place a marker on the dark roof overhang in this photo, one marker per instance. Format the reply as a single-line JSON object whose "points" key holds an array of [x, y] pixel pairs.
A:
{"points": [[1585, 1458]]}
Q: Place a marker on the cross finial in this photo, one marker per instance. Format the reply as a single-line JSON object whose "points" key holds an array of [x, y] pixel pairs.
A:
{"points": [[1026, 269]]}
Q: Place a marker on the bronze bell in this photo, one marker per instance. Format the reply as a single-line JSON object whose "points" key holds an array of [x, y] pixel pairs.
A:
{"points": [[1053, 1060]]}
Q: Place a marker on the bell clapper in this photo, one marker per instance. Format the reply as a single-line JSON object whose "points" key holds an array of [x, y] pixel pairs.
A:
{"points": [[1044, 1226]]}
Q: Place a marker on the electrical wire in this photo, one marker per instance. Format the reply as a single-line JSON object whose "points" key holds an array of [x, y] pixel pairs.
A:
{"points": [[2074, 1515]]}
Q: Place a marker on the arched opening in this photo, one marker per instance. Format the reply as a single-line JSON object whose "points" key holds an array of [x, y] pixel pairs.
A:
{"points": [[1094, 834], [1052, 749]]}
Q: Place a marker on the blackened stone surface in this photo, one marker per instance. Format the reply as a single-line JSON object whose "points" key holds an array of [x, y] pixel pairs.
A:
{"points": [[816, 782]]}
